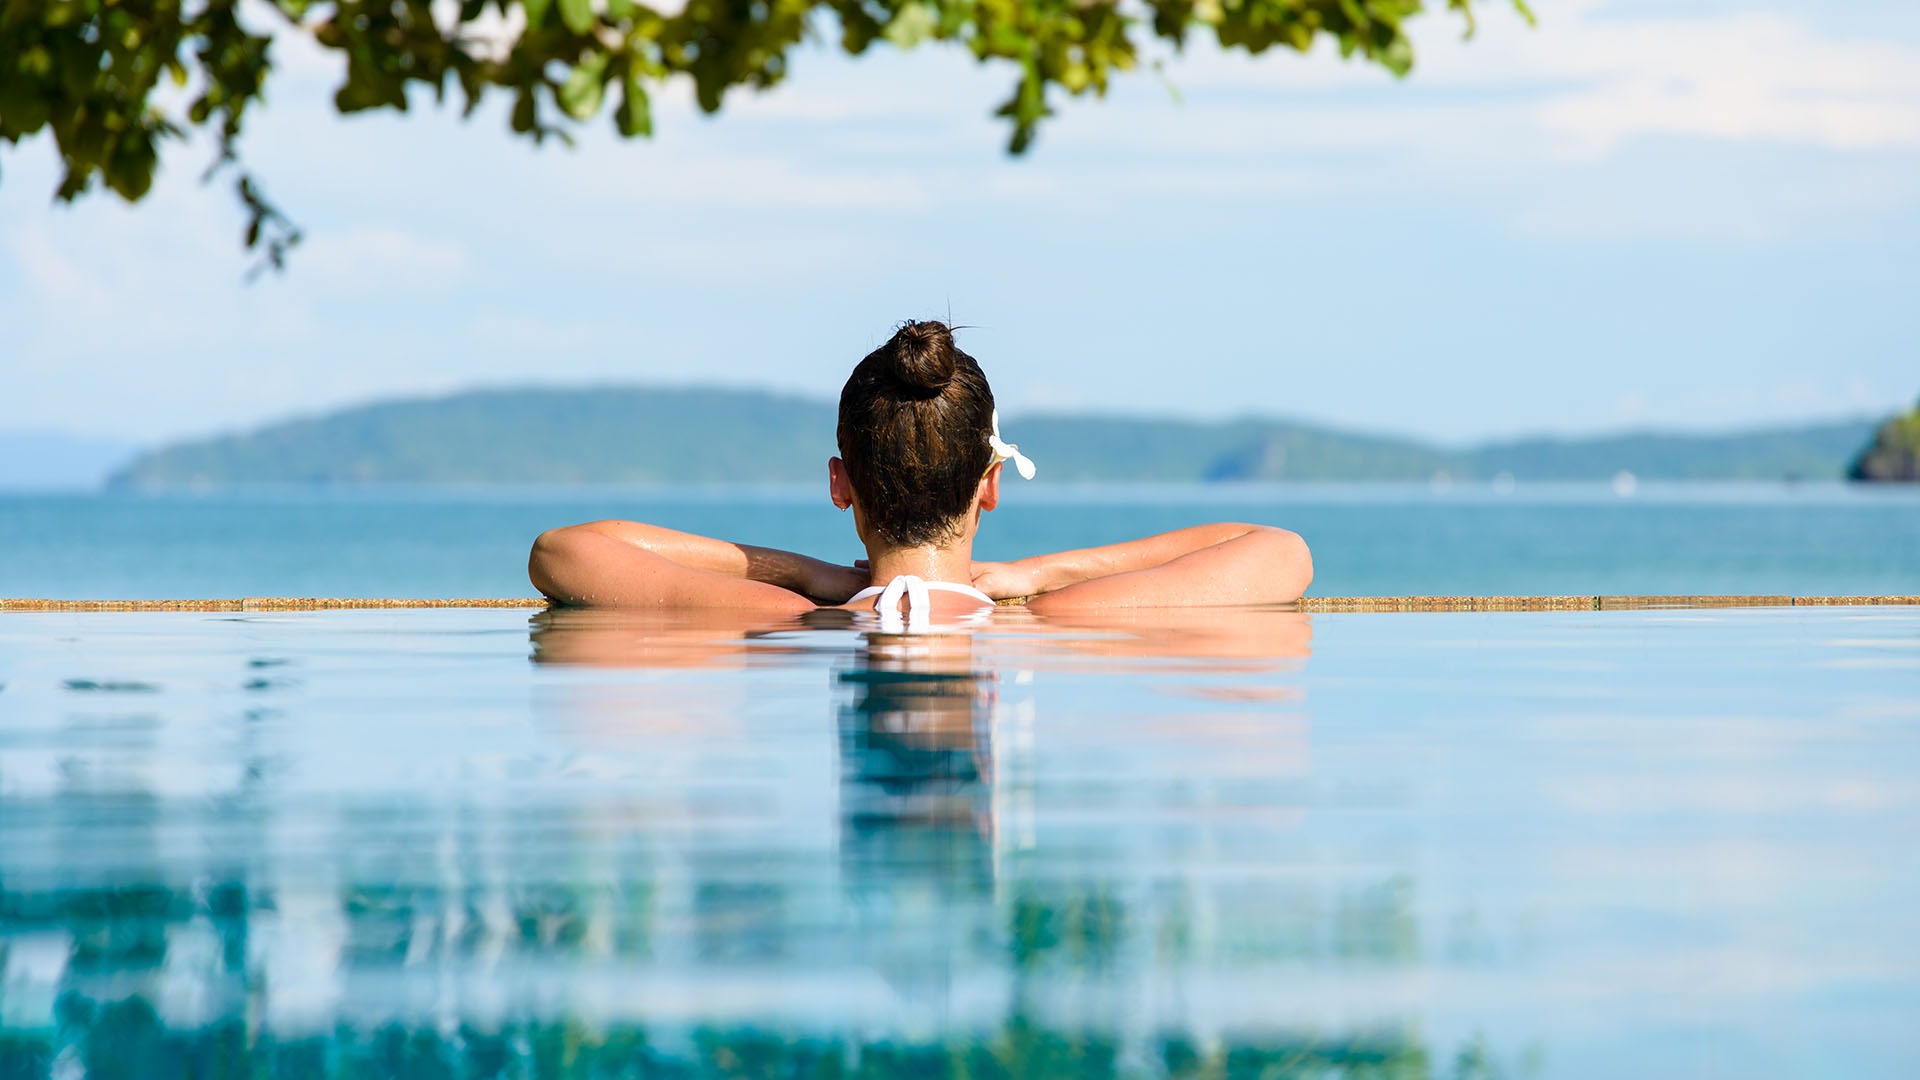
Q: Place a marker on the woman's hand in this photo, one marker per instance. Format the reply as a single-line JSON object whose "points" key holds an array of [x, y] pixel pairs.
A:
{"points": [[1005, 580], [829, 584]]}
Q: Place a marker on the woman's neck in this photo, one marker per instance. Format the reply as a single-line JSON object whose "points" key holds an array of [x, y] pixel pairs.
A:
{"points": [[952, 562]]}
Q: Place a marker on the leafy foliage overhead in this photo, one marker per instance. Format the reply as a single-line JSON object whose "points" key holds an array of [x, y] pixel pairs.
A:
{"points": [[115, 79]]}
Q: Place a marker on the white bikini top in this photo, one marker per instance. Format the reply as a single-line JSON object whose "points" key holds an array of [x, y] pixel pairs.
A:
{"points": [[919, 602]]}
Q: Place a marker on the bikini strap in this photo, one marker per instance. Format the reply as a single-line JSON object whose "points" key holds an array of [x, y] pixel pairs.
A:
{"points": [[919, 601], [919, 605]]}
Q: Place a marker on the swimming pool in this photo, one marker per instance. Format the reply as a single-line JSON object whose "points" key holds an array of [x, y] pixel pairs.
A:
{"points": [[480, 844]]}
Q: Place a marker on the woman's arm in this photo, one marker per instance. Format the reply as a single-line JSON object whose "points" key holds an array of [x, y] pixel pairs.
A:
{"points": [[630, 564], [1205, 565]]}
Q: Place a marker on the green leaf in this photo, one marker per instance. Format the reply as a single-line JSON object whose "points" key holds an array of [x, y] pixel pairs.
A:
{"points": [[634, 116], [526, 117], [911, 25], [1027, 109], [580, 95], [536, 11], [577, 15], [23, 112], [1397, 57]]}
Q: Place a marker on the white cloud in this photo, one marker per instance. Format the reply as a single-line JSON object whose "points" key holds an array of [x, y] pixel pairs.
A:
{"points": [[759, 181], [380, 259], [55, 275], [1736, 201], [1591, 80], [1734, 78]]}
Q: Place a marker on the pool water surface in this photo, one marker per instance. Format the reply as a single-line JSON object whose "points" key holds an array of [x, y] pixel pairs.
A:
{"points": [[1220, 844]]}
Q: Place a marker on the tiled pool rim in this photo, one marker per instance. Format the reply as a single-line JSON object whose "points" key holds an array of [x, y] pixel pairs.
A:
{"points": [[1309, 604]]}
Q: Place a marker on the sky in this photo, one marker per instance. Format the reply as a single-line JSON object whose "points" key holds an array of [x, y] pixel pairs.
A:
{"points": [[1686, 215]]}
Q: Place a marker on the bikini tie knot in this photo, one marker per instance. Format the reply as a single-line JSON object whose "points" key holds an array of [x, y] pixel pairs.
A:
{"points": [[919, 613]]}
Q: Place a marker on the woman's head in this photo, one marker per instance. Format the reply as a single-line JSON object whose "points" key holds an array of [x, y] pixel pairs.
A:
{"points": [[914, 419]]}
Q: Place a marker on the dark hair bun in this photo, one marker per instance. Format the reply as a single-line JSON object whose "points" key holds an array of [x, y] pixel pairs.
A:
{"points": [[912, 432], [923, 356]]}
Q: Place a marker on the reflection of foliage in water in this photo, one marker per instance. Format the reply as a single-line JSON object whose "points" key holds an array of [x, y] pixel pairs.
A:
{"points": [[1053, 929], [105, 1020], [126, 1039], [125, 928], [1086, 928]]}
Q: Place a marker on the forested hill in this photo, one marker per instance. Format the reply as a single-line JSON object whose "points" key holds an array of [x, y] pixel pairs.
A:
{"points": [[634, 435], [611, 435]]}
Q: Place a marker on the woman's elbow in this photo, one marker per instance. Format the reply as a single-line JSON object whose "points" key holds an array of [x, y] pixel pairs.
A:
{"points": [[554, 563], [1292, 562]]}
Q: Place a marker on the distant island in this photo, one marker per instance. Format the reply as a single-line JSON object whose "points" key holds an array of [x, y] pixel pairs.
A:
{"points": [[665, 436], [1894, 453]]}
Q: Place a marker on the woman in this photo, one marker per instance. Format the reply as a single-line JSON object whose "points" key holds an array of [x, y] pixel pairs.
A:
{"points": [[920, 461]]}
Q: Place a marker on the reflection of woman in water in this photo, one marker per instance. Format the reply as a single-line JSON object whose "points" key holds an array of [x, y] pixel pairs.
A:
{"points": [[920, 461]]}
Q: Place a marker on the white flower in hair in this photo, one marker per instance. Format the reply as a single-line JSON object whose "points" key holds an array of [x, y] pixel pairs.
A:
{"points": [[1006, 451]]}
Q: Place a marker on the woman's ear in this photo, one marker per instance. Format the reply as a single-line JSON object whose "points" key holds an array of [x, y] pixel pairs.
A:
{"points": [[990, 487], [839, 486]]}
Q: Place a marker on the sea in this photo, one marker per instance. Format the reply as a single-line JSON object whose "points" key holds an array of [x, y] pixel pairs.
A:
{"points": [[1367, 540]]}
